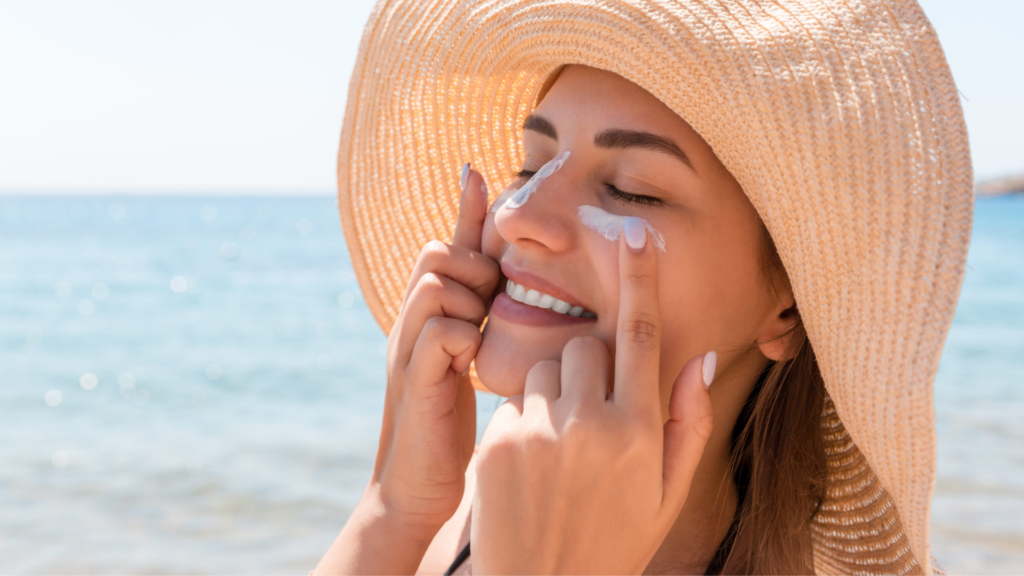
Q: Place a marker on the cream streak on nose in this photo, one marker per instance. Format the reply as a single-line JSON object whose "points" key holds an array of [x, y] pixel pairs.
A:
{"points": [[522, 195], [611, 225]]}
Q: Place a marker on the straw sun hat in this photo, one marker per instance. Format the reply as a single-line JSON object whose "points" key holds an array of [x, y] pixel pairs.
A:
{"points": [[840, 120]]}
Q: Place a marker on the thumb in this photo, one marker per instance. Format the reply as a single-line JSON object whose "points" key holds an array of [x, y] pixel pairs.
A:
{"points": [[472, 209], [687, 430]]}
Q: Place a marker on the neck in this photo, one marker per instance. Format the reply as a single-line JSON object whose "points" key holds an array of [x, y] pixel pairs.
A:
{"points": [[710, 507], [704, 520]]}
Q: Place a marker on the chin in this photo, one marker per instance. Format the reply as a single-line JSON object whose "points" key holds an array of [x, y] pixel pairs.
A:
{"points": [[503, 361]]}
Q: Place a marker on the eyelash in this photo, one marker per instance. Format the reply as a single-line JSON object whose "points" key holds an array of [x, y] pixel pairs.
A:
{"points": [[612, 191]]}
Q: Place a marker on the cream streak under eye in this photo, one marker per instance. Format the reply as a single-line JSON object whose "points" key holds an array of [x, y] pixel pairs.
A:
{"points": [[611, 225]]}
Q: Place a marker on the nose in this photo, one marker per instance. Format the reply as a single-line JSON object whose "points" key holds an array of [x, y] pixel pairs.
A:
{"points": [[545, 222]]}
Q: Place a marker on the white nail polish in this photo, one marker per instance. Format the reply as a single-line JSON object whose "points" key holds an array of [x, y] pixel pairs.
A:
{"points": [[465, 175], [636, 234], [708, 368], [611, 226]]}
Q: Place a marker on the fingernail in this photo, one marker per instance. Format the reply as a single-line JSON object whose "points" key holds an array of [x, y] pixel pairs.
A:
{"points": [[466, 371], [483, 190], [636, 233], [465, 176], [710, 362]]}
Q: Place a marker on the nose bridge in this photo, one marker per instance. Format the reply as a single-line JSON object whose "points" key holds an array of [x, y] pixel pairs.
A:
{"points": [[547, 218]]}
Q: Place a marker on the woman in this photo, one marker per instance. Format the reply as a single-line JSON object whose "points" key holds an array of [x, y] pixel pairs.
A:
{"points": [[715, 291]]}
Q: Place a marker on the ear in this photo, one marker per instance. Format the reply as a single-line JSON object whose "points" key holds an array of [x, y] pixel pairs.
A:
{"points": [[778, 331]]}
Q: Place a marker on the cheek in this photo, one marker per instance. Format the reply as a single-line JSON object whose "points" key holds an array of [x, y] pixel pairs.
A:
{"points": [[606, 271], [738, 300], [711, 299]]}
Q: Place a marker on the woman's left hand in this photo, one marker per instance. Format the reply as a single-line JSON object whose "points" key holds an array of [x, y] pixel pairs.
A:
{"points": [[571, 479]]}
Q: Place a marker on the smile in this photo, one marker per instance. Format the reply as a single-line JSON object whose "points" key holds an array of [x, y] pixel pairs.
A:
{"points": [[544, 301]]}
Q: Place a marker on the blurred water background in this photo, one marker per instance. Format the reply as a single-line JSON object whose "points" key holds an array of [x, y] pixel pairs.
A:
{"points": [[194, 385]]}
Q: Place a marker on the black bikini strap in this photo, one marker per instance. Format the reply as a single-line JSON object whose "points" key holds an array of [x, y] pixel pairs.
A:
{"points": [[458, 561]]}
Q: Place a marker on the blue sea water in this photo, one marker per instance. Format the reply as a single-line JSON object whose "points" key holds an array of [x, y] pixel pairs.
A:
{"points": [[194, 385]]}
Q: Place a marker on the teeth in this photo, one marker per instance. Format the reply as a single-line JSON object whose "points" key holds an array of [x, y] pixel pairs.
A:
{"points": [[541, 300], [532, 298], [518, 292]]}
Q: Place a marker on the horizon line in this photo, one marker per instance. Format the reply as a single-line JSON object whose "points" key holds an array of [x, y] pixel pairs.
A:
{"points": [[205, 193]]}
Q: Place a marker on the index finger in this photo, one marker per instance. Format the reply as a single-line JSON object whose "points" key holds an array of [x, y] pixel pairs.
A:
{"points": [[638, 333], [472, 210]]}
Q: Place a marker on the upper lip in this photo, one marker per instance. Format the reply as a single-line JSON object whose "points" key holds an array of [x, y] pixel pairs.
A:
{"points": [[532, 281]]}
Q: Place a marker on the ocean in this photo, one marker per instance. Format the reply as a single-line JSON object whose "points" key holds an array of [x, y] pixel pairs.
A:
{"points": [[194, 385]]}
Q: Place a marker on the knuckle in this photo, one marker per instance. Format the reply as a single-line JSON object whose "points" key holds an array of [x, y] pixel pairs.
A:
{"points": [[539, 439], [642, 329], [703, 424], [640, 280], [583, 345], [433, 327], [632, 442], [430, 284], [578, 432], [630, 434], [433, 251], [430, 256], [478, 310], [494, 453], [492, 447], [544, 368]]}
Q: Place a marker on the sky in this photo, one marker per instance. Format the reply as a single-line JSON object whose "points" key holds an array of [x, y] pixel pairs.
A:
{"points": [[247, 97]]}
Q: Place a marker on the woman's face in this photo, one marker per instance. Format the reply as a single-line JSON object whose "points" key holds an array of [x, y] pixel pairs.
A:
{"points": [[630, 155]]}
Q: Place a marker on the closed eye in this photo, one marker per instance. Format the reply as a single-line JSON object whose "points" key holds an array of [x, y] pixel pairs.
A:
{"points": [[612, 191], [632, 198]]}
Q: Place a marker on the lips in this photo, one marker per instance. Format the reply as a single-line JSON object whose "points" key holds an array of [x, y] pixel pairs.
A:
{"points": [[531, 300], [532, 297]]}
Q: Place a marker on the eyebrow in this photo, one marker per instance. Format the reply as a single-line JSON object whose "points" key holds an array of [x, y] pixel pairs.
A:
{"points": [[540, 124], [614, 138]]}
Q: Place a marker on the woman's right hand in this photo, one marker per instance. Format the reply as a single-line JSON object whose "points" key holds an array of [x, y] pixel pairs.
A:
{"points": [[429, 426]]}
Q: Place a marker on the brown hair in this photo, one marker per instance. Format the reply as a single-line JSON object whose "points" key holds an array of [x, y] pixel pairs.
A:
{"points": [[778, 459]]}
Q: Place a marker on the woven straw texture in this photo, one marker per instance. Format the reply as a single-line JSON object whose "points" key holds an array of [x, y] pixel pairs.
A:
{"points": [[840, 120]]}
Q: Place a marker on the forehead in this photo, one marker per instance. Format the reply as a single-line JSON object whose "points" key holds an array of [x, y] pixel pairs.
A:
{"points": [[582, 97], [583, 102]]}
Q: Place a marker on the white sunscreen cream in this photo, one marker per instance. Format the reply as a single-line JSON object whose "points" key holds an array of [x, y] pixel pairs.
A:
{"points": [[520, 196], [611, 225]]}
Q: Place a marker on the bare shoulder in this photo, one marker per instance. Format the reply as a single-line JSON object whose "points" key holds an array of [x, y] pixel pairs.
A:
{"points": [[454, 535]]}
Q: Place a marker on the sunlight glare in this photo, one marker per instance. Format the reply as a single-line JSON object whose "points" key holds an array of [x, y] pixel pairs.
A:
{"points": [[179, 284], [88, 381], [52, 398]]}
